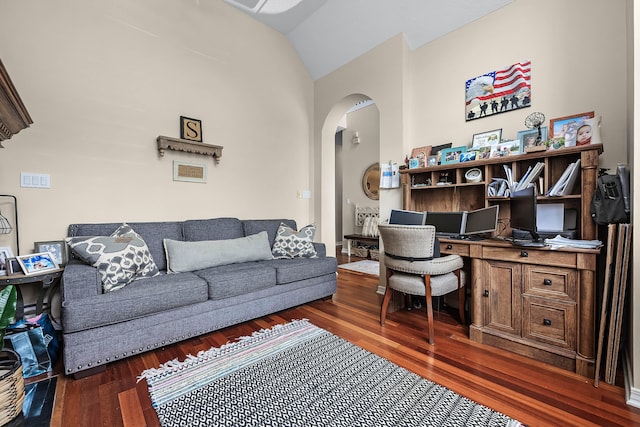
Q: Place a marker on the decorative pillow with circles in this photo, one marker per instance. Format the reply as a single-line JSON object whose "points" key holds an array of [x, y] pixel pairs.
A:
{"points": [[290, 243], [120, 258]]}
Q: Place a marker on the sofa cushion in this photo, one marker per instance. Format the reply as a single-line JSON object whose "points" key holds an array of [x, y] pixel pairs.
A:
{"points": [[296, 269], [119, 258], [212, 229], [237, 279], [190, 256], [290, 243], [140, 298], [254, 226], [151, 232]]}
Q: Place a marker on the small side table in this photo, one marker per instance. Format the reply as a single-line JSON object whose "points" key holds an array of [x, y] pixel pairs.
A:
{"points": [[49, 283]]}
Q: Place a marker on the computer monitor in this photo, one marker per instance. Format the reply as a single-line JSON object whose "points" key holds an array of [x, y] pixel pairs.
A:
{"points": [[484, 220], [447, 223], [523, 206], [402, 217]]}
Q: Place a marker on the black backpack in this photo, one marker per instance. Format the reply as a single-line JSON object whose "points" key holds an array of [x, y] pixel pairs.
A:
{"points": [[608, 204]]}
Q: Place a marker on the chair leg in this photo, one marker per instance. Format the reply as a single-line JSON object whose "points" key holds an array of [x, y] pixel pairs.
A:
{"points": [[385, 301], [427, 289], [461, 298]]}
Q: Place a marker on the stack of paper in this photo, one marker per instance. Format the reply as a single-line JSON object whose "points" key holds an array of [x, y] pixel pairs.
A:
{"points": [[564, 186], [563, 242], [531, 175]]}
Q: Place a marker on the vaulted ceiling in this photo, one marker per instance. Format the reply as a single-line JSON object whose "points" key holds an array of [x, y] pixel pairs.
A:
{"points": [[329, 33]]}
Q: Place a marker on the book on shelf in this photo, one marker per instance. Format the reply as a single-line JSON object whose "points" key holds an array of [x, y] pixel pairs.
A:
{"points": [[531, 176], [564, 185]]}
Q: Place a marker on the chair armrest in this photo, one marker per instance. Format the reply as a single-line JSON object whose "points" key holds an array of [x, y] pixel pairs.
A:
{"points": [[321, 249], [435, 266], [80, 281]]}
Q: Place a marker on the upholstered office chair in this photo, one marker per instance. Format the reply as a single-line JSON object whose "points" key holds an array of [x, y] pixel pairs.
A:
{"points": [[411, 268]]}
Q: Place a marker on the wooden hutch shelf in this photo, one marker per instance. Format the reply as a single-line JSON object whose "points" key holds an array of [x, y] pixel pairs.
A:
{"points": [[13, 114]]}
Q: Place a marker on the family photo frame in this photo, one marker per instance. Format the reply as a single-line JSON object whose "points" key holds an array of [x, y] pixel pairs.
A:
{"points": [[6, 253], [528, 138], [564, 130], [452, 155], [37, 263], [489, 138], [57, 249]]}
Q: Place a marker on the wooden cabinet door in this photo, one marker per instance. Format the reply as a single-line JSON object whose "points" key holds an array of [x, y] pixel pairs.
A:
{"points": [[502, 297]]}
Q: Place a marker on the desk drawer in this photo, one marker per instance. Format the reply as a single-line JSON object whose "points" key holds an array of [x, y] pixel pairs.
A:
{"points": [[551, 322], [450, 248], [531, 256], [550, 282]]}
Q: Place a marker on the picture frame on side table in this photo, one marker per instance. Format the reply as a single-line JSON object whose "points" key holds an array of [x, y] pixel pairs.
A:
{"points": [[6, 253], [452, 155], [57, 249], [14, 267], [563, 130], [37, 263], [483, 139]]}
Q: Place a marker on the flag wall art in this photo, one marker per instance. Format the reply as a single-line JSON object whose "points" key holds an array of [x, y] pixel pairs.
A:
{"points": [[498, 91]]}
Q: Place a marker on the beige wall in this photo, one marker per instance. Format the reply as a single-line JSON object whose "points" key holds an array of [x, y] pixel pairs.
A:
{"points": [[356, 158], [102, 80]]}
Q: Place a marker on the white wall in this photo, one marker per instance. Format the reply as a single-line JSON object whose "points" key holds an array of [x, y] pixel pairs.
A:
{"points": [[102, 80]]}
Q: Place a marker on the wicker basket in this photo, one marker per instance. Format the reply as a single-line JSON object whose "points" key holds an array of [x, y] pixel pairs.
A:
{"points": [[375, 253], [11, 386], [360, 251]]}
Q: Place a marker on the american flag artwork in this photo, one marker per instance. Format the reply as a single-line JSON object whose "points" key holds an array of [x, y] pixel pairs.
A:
{"points": [[499, 91]]}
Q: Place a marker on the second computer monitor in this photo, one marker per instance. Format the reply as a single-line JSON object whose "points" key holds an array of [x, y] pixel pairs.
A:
{"points": [[447, 223], [483, 220]]}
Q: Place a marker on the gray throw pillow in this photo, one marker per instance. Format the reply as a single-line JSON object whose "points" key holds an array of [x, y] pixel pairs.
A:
{"points": [[191, 256], [290, 243], [119, 258]]}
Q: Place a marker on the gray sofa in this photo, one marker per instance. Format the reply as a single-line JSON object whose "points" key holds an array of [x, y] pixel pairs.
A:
{"points": [[153, 312]]}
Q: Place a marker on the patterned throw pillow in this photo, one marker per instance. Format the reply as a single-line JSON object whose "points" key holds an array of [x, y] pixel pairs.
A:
{"points": [[290, 243], [120, 258]]}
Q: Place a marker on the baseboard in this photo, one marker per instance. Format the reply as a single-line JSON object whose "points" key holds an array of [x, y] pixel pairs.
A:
{"points": [[632, 393]]}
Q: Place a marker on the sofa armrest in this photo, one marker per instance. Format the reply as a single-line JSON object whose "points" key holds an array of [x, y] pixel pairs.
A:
{"points": [[321, 249], [79, 281]]}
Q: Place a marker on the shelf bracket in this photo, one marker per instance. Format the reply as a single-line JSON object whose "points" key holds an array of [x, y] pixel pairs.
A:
{"points": [[177, 144]]}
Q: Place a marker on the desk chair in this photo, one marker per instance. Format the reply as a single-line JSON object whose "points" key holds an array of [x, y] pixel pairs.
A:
{"points": [[411, 268]]}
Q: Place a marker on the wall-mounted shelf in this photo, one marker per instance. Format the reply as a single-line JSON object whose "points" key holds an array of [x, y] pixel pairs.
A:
{"points": [[13, 114], [177, 144]]}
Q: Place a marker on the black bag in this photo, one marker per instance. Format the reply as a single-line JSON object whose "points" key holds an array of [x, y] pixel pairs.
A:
{"points": [[607, 204]]}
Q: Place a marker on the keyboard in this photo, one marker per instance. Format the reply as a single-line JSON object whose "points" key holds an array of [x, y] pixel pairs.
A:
{"points": [[528, 243]]}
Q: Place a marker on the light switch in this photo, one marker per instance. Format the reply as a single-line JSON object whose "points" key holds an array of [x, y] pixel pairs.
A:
{"points": [[35, 180]]}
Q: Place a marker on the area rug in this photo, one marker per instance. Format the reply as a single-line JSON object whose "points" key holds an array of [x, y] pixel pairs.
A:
{"points": [[366, 266], [297, 374]]}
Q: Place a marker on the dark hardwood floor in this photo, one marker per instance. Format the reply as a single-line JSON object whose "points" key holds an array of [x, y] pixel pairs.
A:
{"points": [[534, 393]]}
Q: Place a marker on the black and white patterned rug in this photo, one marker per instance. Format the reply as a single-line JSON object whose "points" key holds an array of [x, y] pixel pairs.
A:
{"points": [[297, 374]]}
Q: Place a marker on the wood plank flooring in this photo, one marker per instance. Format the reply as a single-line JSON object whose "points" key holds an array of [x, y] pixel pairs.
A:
{"points": [[532, 392]]}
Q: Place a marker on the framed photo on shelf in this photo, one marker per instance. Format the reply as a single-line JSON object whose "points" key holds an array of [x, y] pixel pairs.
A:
{"points": [[436, 150], [528, 138], [37, 263], [486, 138], [564, 130], [452, 155], [57, 249], [432, 161], [422, 154], [468, 156], [506, 148]]}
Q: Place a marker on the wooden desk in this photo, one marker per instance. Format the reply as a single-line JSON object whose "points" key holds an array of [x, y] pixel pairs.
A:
{"points": [[536, 302], [360, 238]]}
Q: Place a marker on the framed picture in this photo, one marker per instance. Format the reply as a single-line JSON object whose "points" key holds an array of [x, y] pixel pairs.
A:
{"points": [[506, 148], [487, 138], [14, 267], [57, 249], [452, 155], [564, 130], [528, 138], [437, 151], [432, 161], [483, 152], [189, 172], [468, 156], [421, 153], [190, 129], [414, 163], [5, 255], [498, 91], [37, 263]]}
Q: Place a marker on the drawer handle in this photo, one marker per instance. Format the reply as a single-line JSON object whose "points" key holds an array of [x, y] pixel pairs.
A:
{"points": [[449, 247], [547, 282], [546, 322], [485, 293], [524, 254]]}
